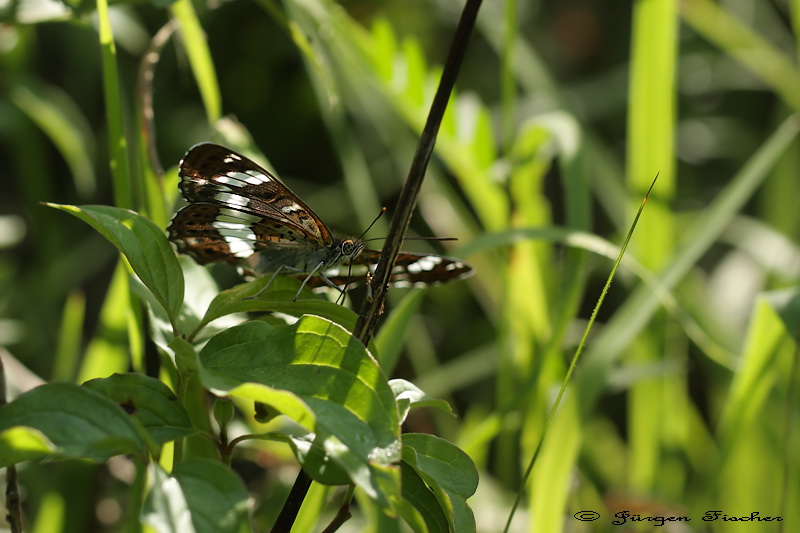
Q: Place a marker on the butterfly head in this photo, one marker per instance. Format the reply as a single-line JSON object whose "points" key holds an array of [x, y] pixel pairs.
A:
{"points": [[348, 249]]}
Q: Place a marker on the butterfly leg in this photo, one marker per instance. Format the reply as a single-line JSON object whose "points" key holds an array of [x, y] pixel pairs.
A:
{"points": [[271, 279], [317, 271]]}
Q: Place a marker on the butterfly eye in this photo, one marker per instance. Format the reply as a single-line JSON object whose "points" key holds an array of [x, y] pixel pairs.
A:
{"points": [[348, 247]]}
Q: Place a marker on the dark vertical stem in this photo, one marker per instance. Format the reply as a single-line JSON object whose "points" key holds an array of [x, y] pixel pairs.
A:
{"points": [[14, 516], [292, 506], [370, 310], [13, 505]]}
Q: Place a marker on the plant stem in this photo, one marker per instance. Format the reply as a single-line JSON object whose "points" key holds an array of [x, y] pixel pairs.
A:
{"points": [[292, 506], [372, 307], [13, 505]]}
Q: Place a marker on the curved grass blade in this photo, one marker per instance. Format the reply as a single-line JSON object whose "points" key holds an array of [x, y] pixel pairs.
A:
{"points": [[575, 359]]}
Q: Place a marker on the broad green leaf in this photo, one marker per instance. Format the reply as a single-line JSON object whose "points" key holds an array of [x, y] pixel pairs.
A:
{"points": [[143, 244], [80, 422], [283, 401], [276, 299], [216, 496], [443, 463], [448, 471], [200, 291], [316, 373], [193, 397], [311, 453], [409, 395], [149, 401], [463, 517], [21, 443], [422, 501], [185, 358], [166, 509]]}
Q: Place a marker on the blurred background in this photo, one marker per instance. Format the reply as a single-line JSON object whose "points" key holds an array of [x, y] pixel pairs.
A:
{"points": [[685, 397]]}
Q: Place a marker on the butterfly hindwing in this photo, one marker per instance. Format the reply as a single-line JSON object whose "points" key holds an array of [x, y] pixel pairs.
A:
{"points": [[410, 270]]}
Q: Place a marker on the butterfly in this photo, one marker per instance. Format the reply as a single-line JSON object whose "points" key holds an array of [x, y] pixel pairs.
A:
{"points": [[241, 214]]}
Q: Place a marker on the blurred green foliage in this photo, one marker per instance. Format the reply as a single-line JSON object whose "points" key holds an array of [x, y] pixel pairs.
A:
{"points": [[685, 399]]}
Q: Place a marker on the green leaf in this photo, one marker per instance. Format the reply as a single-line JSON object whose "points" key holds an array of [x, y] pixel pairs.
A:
{"points": [[200, 290], [143, 244], [224, 411], [422, 501], [215, 495], [409, 395], [185, 358], [19, 444], [166, 509], [317, 374], [310, 452], [276, 299], [81, 423], [443, 463], [149, 401], [448, 471]]}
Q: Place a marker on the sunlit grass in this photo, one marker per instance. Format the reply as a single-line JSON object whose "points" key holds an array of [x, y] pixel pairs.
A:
{"points": [[683, 399]]}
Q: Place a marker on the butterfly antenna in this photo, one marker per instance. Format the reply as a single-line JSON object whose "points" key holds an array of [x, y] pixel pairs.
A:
{"points": [[383, 210], [418, 239]]}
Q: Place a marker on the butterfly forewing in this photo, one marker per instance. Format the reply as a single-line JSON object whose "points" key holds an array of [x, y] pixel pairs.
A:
{"points": [[217, 175]]}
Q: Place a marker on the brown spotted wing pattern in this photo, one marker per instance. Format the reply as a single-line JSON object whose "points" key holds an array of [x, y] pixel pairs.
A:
{"points": [[239, 213]]}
